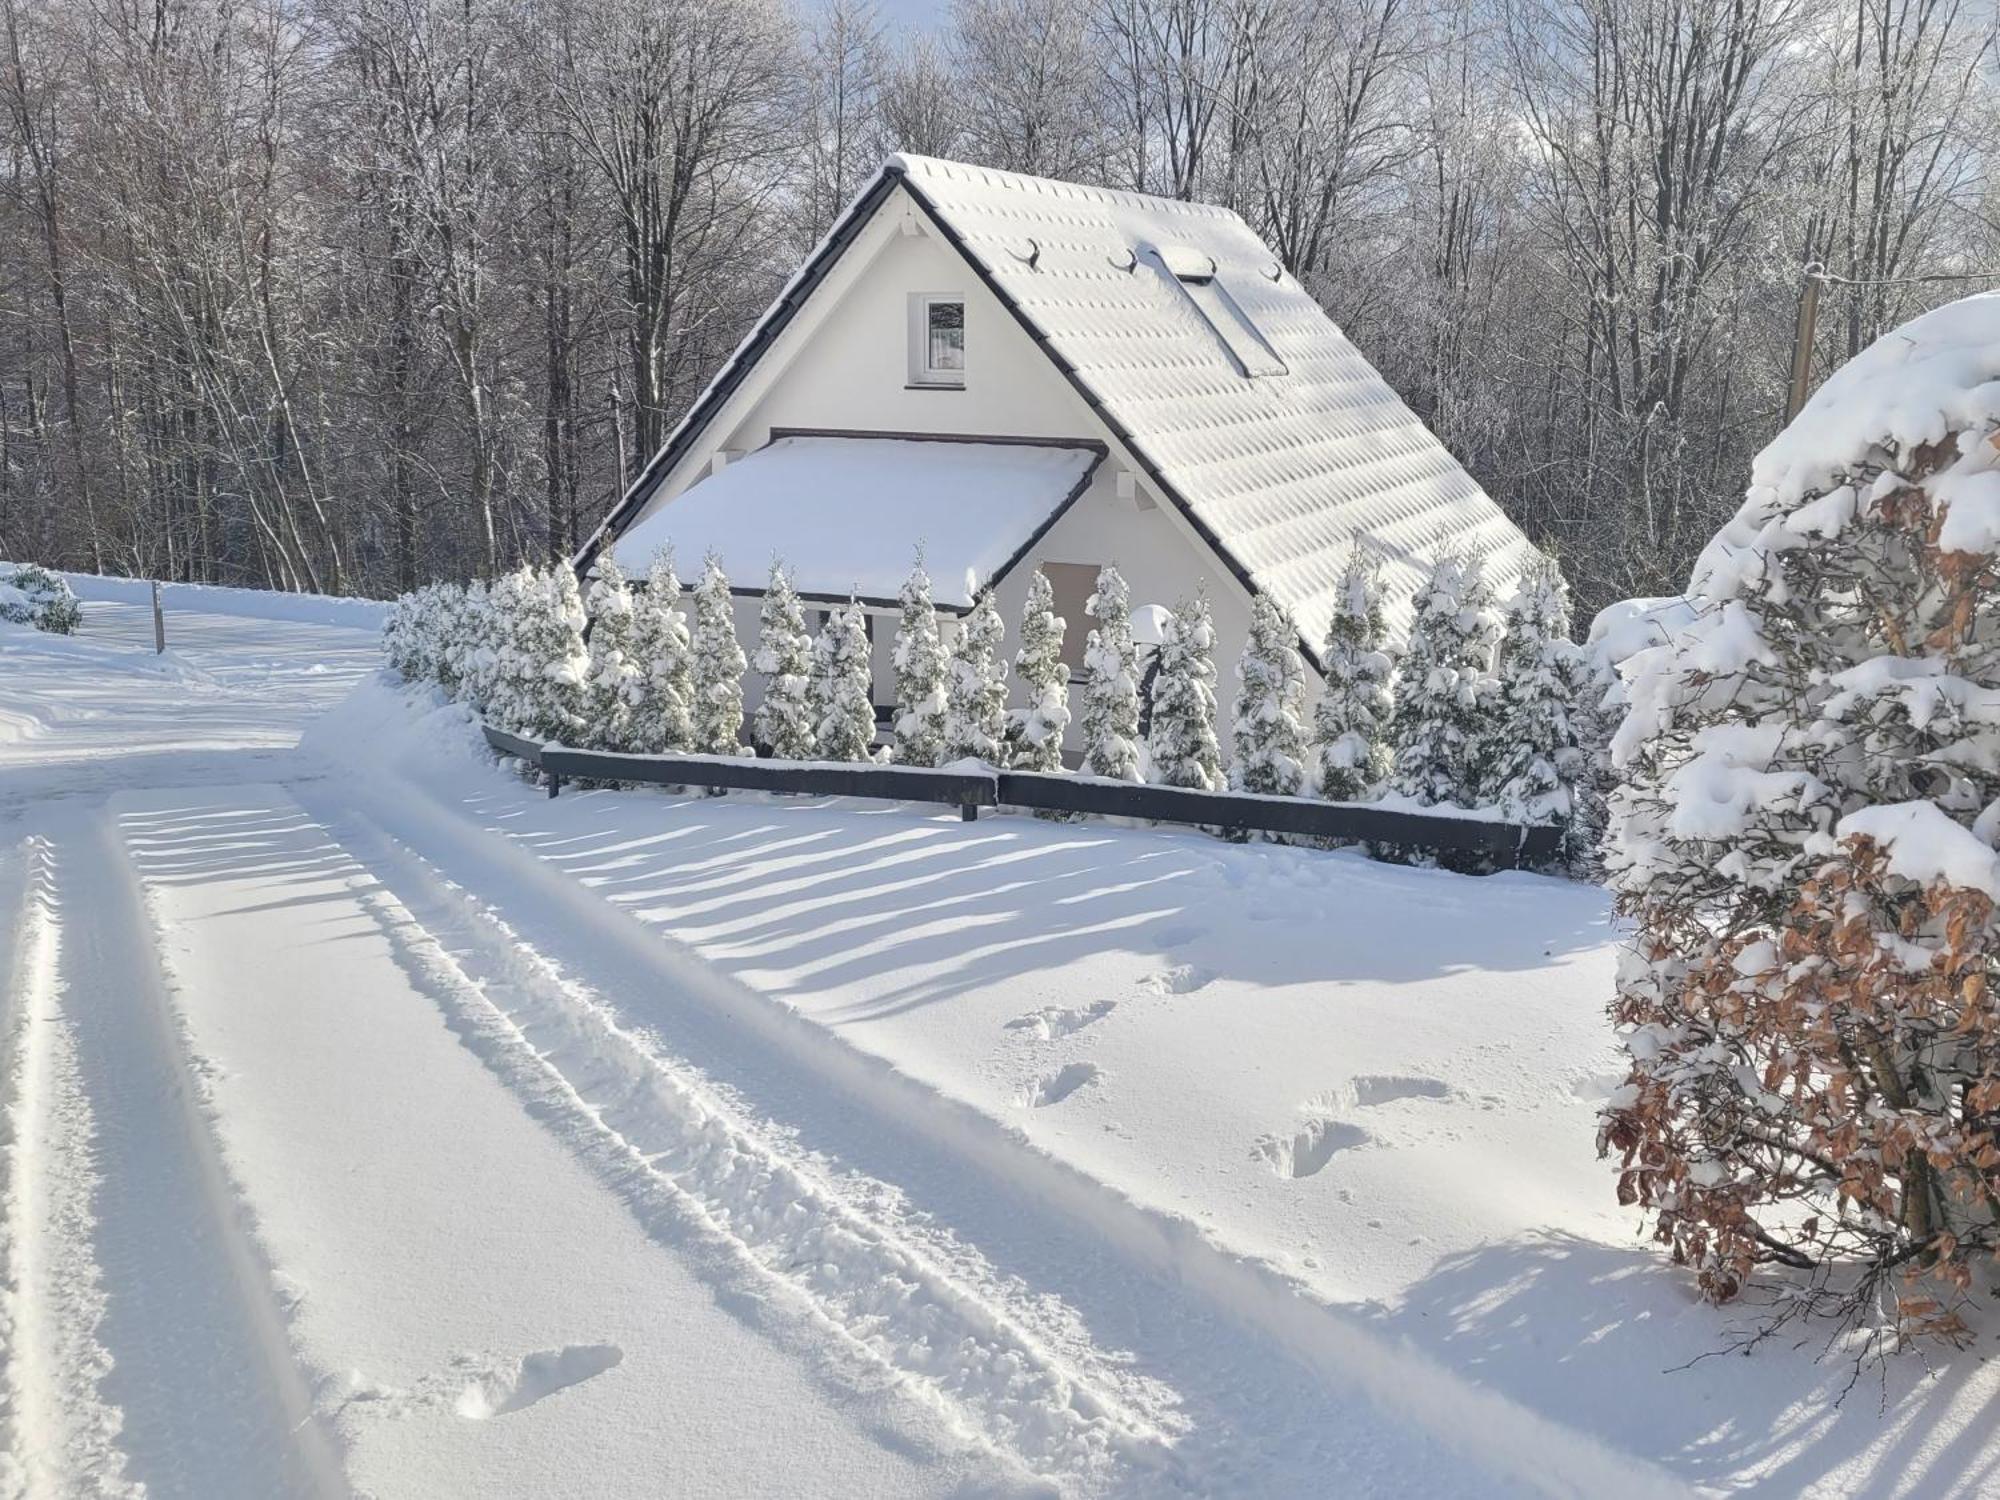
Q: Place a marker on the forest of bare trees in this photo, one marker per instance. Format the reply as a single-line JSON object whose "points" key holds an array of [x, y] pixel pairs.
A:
{"points": [[348, 294]]}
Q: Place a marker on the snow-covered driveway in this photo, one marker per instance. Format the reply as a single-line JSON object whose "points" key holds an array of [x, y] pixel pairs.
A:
{"points": [[376, 1126]]}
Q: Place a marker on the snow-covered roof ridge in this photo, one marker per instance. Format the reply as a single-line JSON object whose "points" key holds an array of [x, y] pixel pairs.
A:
{"points": [[1277, 459]]}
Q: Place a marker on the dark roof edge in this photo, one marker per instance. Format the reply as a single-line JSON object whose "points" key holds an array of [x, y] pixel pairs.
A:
{"points": [[777, 318], [1118, 429]]}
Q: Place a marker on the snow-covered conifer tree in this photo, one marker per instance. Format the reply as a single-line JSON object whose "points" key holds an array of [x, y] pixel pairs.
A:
{"points": [[1111, 683], [1035, 731], [920, 668], [1182, 742], [842, 701], [661, 721], [1445, 698], [1599, 708], [1268, 717], [489, 615], [716, 712], [471, 648], [1538, 756], [975, 687], [1351, 724], [784, 658], [1804, 835], [544, 662], [617, 679]]}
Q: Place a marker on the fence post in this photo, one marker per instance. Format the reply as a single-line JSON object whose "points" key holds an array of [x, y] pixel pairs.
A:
{"points": [[159, 622]]}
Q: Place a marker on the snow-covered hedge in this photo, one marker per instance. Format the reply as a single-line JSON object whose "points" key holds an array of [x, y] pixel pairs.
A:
{"points": [[31, 595], [1487, 713]]}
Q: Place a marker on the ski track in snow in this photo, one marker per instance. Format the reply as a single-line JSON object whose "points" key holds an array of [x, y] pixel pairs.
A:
{"points": [[684, 1155]]}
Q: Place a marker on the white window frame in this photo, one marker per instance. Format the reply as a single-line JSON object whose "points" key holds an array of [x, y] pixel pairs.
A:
{"points": [[922, 372]]}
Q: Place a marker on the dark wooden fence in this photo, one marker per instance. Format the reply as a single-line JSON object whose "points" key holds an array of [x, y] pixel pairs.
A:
{"points": [[1486, 843]]}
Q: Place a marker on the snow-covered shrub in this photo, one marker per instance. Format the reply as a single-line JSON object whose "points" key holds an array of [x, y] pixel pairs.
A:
{"points": [[1804, 837], [660, 722], [1599, 710], [1111, 683], [544, 664], [1351, 724], [842, 700], [1538, 754], [399, 635], [1268, 718], [472, 654], [785, 660], [32, 595], [1182, 742], [919, 676], [1446, 700], [716, 711], [975, 687], [616, 680], [1035, 731]]}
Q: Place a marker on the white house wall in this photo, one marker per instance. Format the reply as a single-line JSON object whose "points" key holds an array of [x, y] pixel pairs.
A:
{"points": [[854, 370]]}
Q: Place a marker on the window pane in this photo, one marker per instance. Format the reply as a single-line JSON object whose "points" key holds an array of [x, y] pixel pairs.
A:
{"points": [[945, 335]]}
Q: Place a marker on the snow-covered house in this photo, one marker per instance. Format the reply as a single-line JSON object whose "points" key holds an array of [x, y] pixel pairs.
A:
{"points": [[1019, 373]]}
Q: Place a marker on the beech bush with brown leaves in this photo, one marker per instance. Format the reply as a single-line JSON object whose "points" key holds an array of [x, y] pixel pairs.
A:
{"points": [[1804, 837]]}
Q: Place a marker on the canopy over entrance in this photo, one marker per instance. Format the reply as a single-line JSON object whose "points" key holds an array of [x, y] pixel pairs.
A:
{"points": [[847, 514]]}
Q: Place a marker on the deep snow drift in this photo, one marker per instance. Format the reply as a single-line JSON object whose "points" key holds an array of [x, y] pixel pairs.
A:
{"points": [[640, 1143]]}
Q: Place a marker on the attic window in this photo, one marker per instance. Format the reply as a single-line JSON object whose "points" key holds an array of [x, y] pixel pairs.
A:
{"points": [[937, 340], [1195, 274]]}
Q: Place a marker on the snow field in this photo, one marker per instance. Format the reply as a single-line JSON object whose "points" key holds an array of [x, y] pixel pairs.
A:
{"points": [[1252, 1361], [636, 1143], [1347, 1105]]}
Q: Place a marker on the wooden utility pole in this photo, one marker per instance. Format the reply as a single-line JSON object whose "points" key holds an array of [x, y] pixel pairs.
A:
{"points": [[159, 623], [618, 441], [1802, 341]]}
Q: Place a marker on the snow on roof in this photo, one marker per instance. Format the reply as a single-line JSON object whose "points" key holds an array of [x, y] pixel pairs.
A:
{"points": [[1280, 469], [848, 513]]}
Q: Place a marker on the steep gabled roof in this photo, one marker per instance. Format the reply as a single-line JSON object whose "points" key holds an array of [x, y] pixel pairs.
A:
{"points": [[1249, 409]]}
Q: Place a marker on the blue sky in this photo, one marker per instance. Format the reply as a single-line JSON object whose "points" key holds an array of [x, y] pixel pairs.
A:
{"points": [[912, 12]]}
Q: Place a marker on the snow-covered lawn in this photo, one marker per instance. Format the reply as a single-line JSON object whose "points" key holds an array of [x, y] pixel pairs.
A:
{"points": [[377, 1124]]}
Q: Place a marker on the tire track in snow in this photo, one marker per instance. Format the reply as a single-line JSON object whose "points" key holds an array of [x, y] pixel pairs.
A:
{"points": [[154, 1356], [684, 1155], [61, 1430]]}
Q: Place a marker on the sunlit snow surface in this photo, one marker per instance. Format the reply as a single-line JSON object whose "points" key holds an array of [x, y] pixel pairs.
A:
{"points": [[633, 1143]]}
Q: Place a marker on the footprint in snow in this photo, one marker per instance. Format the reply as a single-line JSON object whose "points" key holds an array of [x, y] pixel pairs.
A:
{"points": [[1181, 979], [1309, 1148], [1052, 1021], [1053, 1088], [512, 1385], [1386, 1088]]}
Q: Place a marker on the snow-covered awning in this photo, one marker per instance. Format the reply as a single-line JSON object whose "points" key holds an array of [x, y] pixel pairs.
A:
{"points": [[847, 514]]}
